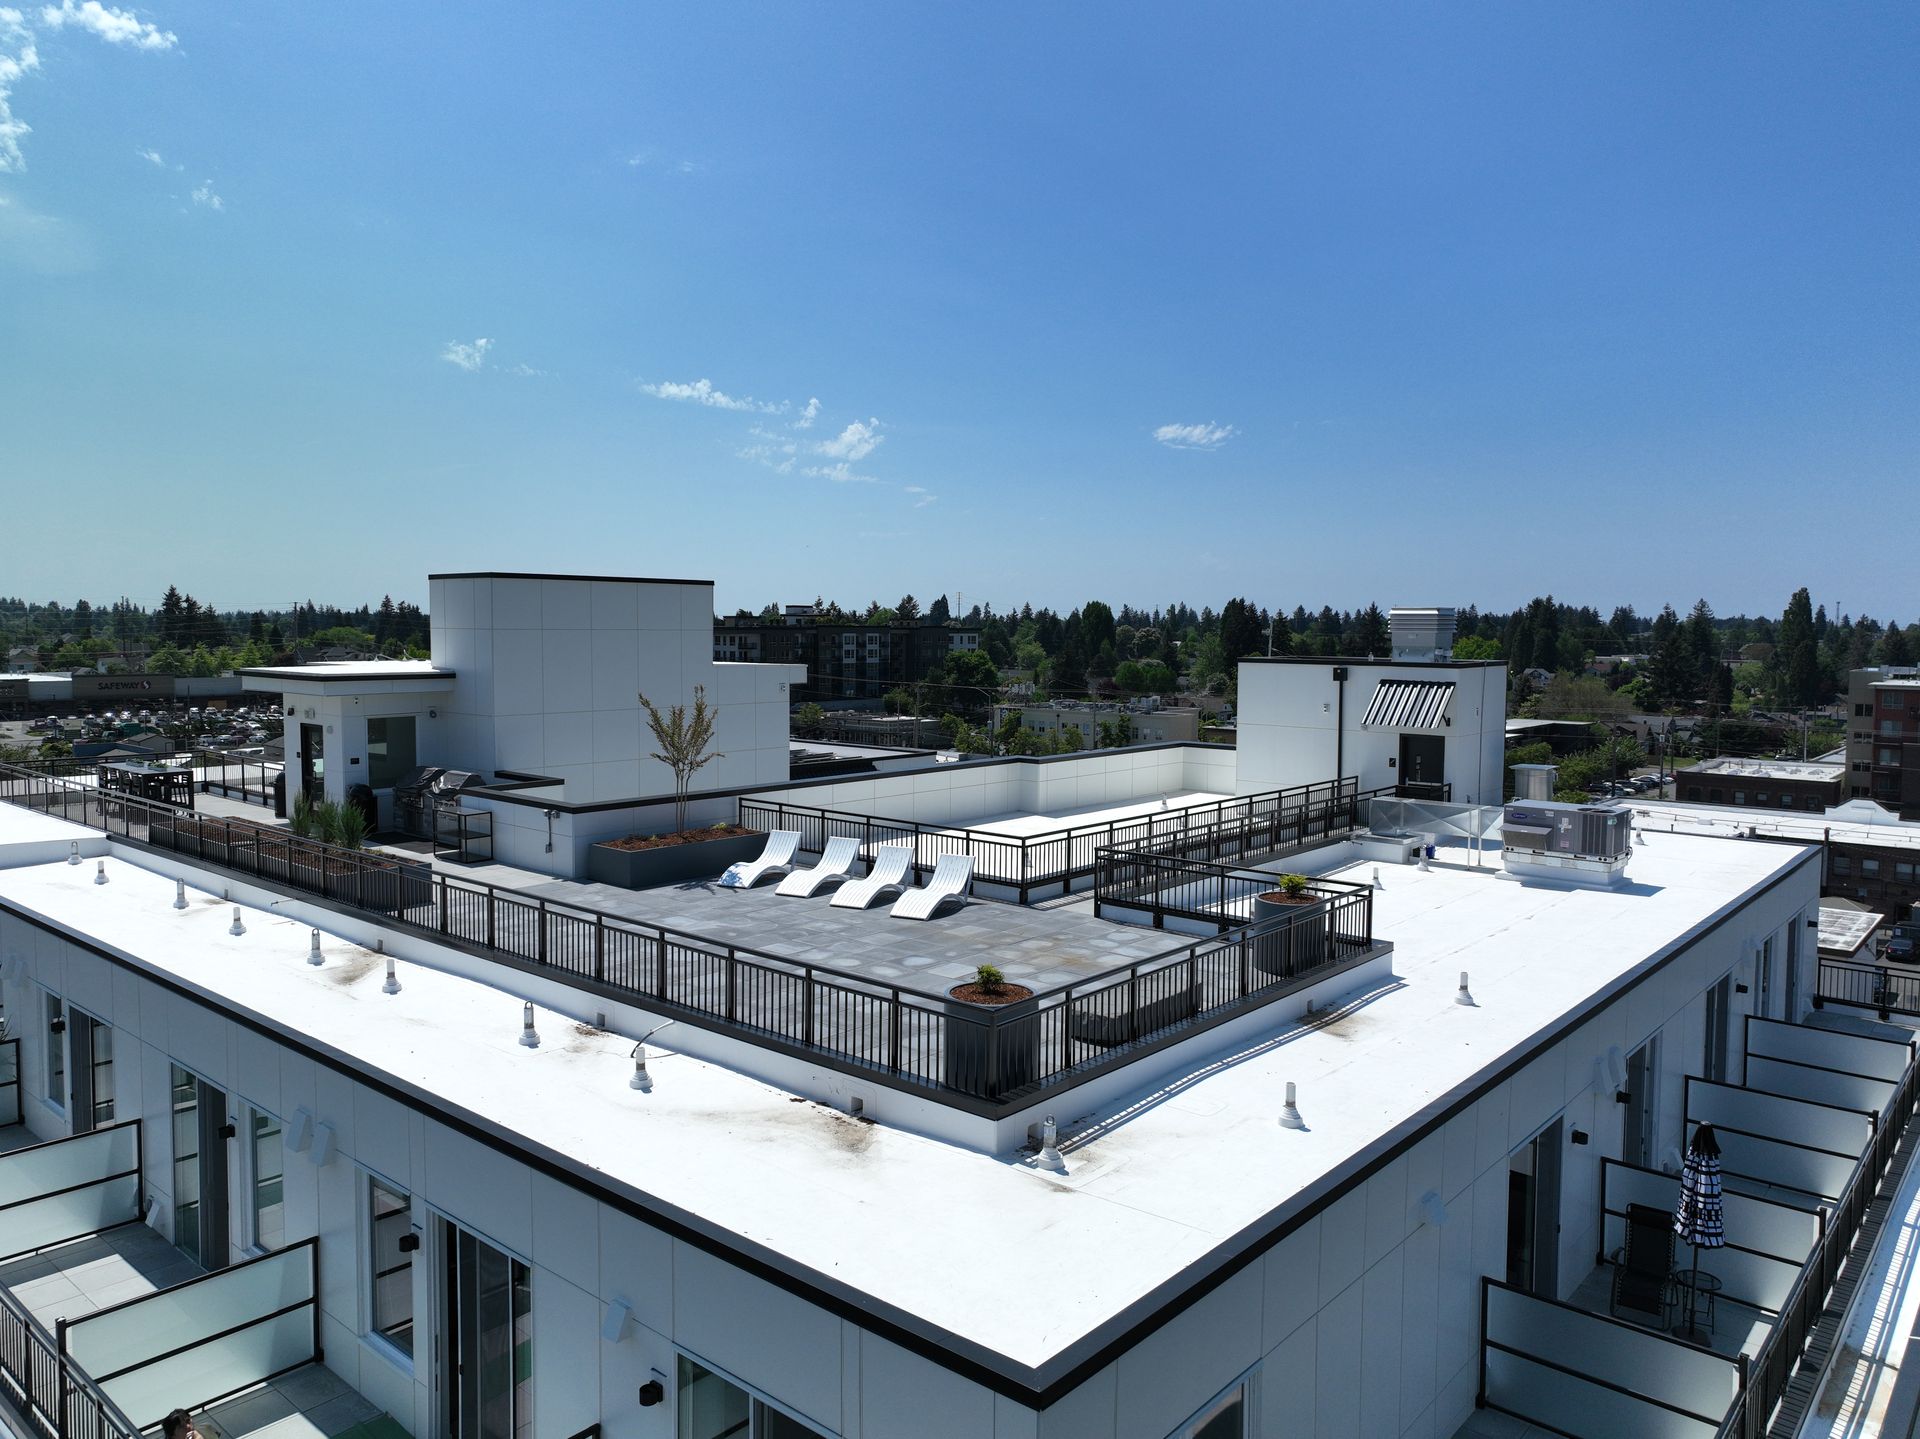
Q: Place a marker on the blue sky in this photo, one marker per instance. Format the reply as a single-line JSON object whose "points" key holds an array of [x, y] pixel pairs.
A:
{"points": [[1316, 304]]}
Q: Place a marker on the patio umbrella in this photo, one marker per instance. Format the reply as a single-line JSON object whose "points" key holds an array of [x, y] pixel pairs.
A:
{"points": [[1698, 1217]]}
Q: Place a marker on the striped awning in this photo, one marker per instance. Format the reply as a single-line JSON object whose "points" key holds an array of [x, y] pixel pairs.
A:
{"points": [[1409, 704]]}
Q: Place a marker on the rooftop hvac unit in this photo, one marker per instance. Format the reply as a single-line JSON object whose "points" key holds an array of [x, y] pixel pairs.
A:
{"points": [[1586, 844]]}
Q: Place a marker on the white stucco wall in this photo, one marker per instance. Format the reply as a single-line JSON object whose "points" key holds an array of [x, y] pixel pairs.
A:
{"points": [[549, 671], [1292, 730]]}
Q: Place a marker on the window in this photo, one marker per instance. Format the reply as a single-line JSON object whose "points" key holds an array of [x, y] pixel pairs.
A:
{"points": [[1893, 700], [56, 1052], [390, 1216], [1760, 798], [1693, 791], [1224, 1418], [711, 1407], [389, 750], [1842, 864], [266, 1179], [186, 1161], [1713, 796], [100, 1048], [1786, 802], [1869, 869], [1890, 727], [1714, 1051]]}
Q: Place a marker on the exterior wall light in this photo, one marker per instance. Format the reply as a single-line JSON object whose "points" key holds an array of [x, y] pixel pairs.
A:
{"points": [[653, 1392], [613, 1328]]}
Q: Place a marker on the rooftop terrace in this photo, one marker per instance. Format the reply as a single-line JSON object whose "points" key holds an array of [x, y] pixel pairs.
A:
{"points": [[1146, 1206]]}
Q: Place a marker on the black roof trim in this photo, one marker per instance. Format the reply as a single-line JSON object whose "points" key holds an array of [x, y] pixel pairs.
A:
{"points": [[1372, 662], [530, 575], [279, 672]]}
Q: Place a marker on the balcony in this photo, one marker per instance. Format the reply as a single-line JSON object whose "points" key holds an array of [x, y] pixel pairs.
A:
{"points": [[105, 1327]]}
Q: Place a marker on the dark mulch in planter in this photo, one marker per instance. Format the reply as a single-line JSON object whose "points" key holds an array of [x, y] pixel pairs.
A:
{"points": [[994, 996], [685, 836]]}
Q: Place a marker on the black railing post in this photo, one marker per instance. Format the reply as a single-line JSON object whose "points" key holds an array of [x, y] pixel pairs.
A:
{"points": [[806, 1018], [660, 963], [540, 921], [896, 1016], [733, 982], [600, 949]]}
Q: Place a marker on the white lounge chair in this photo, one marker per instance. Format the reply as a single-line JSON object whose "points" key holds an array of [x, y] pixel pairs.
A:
{"points": [[776, 858], [952, 880], [891, 863], [836, 864]]}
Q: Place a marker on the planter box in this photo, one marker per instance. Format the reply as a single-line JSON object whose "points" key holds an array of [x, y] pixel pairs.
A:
{"points": [[990, 1050], [1291, 949], [670, 864]]}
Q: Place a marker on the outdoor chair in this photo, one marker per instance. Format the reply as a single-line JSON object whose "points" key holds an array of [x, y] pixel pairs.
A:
{"points": [[891, 863], [835, 867], [776, 858], [1644, 1273], [952, 881]]}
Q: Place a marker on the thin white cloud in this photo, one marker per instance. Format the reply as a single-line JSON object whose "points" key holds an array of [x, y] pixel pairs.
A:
{"points": [[808, 415], [20, 55], [18, 59], [855, 442], [924, 499], [116, 27], [651, 159], [525, 372], [205, 197], [840, 474], [153, 158], [702, 392], [1207, 436], [468, 356]]}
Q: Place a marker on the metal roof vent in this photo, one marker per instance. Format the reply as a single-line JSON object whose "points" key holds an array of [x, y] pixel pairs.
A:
{"points": [[1534, 781], [1421, 635]]}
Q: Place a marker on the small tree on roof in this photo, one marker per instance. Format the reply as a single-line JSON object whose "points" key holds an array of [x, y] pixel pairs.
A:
{"points": [[683, 739]]}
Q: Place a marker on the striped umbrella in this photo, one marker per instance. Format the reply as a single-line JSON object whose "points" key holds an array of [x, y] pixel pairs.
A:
{"points": [[1699, 1216]]}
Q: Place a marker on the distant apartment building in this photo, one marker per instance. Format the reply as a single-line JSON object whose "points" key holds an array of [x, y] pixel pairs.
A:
{"points": [[1764, 783], [1148, 723], [1883, 738], [845, 661]]}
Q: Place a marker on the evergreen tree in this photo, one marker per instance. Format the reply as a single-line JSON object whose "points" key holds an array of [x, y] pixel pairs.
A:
{"points": [[938, 613], [1371, 635]]}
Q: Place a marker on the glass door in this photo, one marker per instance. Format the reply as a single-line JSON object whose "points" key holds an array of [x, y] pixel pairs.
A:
{"points": [[199, 1169], [486, 1347], [91, 1055], [1636, 1140]]}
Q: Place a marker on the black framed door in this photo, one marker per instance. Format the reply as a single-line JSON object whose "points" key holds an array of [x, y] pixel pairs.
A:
{"points": [[200, 1173], [486, 1341], [313, 761], [1423, 759]]}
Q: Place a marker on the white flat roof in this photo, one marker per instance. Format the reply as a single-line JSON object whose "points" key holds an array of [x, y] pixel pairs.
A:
{"points": [[1680, 817], [1156, 1188], [1766, 768]]}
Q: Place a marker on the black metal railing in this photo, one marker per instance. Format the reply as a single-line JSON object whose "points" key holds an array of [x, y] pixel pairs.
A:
{"points": [[1868, 986], [214, 772], [1214, 829], [9, 1081], [1141, 883], [986, 1060], [1771, 1369], [55, 1398], [1433, 791]]}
